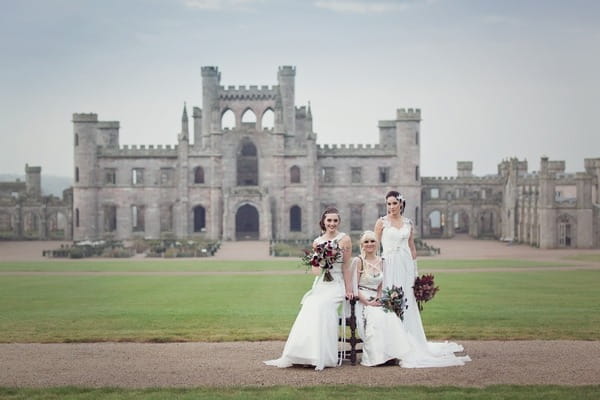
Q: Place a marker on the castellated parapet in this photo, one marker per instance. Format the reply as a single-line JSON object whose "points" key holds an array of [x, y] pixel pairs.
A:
{"points": [[354, 150], [83, 117], [408, 114]]}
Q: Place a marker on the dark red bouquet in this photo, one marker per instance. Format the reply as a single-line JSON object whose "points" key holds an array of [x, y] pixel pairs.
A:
{"points": [[424, 289], [323, 255]]}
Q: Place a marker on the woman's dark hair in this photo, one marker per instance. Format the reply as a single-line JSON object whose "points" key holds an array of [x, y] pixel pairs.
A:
{"points": [[328, 210], [399, 197]]}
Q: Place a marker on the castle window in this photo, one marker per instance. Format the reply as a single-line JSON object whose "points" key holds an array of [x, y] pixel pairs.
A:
{"points": [[249, 118], [417, 173], [137, 218], [327, 175], [356, 174], [384, 174], [110, 176], [76, 139], [417, 137], [416, 216], [77, 217], [137, 176], [268, 119], [166, 218], [198, 175], [247, 164], [295, 174], [166, 176], [295, 219], [356, 218], [110, 218], [228, 120], [199, 219], [434, 193], [76, 174]]}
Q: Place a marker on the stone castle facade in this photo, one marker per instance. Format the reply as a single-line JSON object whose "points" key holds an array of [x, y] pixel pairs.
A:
{"points": [[26, 214], [250, 167]]}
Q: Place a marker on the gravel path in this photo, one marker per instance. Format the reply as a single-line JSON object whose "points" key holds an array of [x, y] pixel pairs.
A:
{"points": [[140, 365]]}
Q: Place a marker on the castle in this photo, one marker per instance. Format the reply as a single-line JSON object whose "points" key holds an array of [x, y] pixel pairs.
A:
{"points": [[26, 214], [250, 168]]}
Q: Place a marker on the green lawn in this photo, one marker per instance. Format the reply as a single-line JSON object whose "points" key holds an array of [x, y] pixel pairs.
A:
{"points": [[324, 392], [207, 264], [474, 305], [586, 257]]}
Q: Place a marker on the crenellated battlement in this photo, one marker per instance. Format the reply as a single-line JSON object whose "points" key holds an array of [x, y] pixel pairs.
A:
{"points": [[83, 117], [345, 150], [138, 151], [252, 92], [408, 114], [432, 180]]}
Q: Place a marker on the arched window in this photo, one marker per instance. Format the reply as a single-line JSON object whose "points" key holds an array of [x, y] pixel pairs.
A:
{"points": [[76, 174], [198, 175], [295, 174], [268, 119], [77, 217], [247, 164], [295, 219], [249, 118], [199, 219], [228, 120]]}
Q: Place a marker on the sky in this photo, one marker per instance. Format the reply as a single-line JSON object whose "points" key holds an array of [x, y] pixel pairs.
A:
{"points": [[493, 79]]}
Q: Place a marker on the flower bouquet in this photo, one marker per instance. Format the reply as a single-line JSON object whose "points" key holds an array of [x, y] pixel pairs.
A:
{"points": [[394, 300], [324, 255], [424, 289]]}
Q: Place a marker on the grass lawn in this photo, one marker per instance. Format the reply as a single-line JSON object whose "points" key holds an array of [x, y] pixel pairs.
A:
{"points": [[474, 305], [532, 392], [207, 264], [586, 257]]}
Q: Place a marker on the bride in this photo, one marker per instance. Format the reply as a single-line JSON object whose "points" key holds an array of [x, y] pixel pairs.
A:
{"points": [[313, 339], [396, 235]]}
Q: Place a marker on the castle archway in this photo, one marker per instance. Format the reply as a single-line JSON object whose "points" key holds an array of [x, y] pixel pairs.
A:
{"points": [[247, 164], [461, 222], [247, 223]]}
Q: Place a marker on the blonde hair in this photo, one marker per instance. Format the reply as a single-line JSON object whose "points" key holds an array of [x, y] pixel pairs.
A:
{"points": [[368, 235]]}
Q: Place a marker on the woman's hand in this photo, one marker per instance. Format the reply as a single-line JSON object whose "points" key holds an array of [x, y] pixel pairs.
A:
{"points": [[373, 302], [349, 295], [316, 270]]}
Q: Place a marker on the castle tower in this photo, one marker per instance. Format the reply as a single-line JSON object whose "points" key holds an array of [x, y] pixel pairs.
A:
{"points": [[197, 117], [33, 181], [85, 188], [286, 78], [464, 169], [211, 79]]}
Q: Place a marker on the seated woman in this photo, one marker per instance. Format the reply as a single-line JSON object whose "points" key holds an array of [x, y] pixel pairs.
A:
{"points": [[313, 339], [384, 337]]}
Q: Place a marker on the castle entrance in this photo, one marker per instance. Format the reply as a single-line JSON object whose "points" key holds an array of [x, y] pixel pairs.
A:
{"points": [[246, 223]]}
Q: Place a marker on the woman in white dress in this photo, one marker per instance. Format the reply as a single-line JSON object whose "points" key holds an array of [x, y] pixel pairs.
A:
{"points": [[313, 339], [396, 235], [383, 335]]}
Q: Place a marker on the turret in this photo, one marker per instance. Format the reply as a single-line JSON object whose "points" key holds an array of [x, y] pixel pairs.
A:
{"points": [[286, 78], [197, 116], [33, 181], [211, 79], [464, 169]]}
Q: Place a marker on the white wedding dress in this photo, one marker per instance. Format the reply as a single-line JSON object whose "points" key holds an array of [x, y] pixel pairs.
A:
{"points": [[399, 269], [383, 335], [313, 339]]}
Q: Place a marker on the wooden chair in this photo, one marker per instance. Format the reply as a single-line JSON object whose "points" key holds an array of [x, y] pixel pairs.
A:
{"points": [[349, 354]]}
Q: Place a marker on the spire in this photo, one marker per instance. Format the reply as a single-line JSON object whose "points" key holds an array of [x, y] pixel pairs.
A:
{"points": [[309, 112], [184, 122]]}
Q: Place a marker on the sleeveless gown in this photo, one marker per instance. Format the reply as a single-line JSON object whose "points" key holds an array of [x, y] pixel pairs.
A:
{"points": [[383, 335], [313, 338], [399, 269]]}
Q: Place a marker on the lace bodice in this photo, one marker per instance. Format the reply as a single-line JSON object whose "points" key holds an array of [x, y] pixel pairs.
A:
{"points": [[395, 239]]}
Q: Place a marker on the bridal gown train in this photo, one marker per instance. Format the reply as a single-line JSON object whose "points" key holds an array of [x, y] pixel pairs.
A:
{"points": [[313, 338], [399, 269]]}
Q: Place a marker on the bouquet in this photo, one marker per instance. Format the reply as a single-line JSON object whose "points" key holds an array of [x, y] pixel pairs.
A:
{"points": [[394, 300], [424, 289], [324, 255]]}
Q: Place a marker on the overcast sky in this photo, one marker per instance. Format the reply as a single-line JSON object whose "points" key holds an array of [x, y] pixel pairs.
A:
{"points": [[493, 79]]}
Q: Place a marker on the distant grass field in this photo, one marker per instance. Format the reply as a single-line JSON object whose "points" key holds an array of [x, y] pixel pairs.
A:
{"points": [[209, 265], [324, 392], [586, 257], [474, 305]]}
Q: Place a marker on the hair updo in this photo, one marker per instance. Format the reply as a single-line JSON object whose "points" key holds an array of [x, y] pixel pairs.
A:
{"points": [[397, 196], [328, 210]]}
